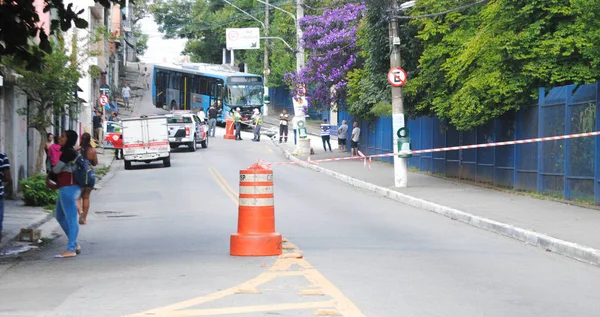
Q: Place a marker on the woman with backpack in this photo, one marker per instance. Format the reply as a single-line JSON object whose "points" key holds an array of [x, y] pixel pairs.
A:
{"points": [[68, 192], [87, 151]]}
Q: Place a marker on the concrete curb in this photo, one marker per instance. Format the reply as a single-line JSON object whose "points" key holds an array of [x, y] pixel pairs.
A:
{"points": [[13, 236], [566, 248]]}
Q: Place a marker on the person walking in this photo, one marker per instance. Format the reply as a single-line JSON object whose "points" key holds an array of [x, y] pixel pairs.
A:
{"points": [[212, 120], [237, 119], [326, 134], [87, 151], [284, 119], [355, 138], [126, 94], [146, 78], [257, 118], [5, 177], [342, 136], [68, 192]]}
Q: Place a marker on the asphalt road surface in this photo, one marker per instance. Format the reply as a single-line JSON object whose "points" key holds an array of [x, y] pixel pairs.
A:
{"points": [[157, 244]]}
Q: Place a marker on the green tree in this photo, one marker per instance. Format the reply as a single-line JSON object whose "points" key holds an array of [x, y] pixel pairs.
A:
{"points": [[479, 63], [19, 25], [369, 94], [51, 91], [141, 41]]}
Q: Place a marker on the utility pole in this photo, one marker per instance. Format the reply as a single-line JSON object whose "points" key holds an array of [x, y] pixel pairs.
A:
{"points": [[300, 53], [400, 164], [266, 57], [266, 70]]}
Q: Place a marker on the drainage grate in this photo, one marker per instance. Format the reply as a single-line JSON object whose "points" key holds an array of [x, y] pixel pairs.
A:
{"points": [[107, 212]]}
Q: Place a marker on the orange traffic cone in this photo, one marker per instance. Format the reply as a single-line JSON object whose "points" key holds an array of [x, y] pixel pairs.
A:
{"points": [[256, 234], [229, 130]]}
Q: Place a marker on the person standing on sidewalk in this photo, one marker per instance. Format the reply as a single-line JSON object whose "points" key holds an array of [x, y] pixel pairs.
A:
{"points": [[68, 192], [212, 120], [237, 119], [257, 118], [5, 177], [342, 136], [284, 119], [326, 134], [87, 151], [355, 138], [126, 94], [97, 125], [295, 127]]}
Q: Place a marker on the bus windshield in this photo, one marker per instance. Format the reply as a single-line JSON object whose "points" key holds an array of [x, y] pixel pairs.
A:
{"points": [[244, 95]]}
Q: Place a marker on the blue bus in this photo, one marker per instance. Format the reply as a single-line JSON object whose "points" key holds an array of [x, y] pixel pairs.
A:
{"points": [[194, 85]]}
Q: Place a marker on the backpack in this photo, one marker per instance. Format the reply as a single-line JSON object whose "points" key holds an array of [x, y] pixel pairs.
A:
{"points": [[83, 173]]}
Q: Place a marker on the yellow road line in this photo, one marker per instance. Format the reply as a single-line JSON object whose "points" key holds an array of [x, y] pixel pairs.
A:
{"points": [[223, 184], [290, 263], [251, 309]]}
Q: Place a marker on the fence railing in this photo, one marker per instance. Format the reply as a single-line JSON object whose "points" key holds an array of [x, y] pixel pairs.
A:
{"points": [[569, 169]]}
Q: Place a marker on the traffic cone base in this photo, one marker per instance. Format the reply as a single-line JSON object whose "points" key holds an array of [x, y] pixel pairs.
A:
{"points": [[255, 245]]}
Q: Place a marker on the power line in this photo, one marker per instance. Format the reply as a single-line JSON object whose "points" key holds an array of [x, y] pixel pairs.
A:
{"points": [[430, 15]]}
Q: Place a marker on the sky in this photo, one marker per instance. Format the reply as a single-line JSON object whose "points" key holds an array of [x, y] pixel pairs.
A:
{"points": [[159, 48]]}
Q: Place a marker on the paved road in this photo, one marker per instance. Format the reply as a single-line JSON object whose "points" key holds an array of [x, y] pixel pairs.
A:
{"points": [[157, 244]]}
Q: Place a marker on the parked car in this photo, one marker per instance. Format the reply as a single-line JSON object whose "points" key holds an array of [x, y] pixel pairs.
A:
{"points": [[185, 128]]}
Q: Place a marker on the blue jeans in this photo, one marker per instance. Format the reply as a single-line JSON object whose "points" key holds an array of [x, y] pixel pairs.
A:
{"points": [[212, 127], [257, 132], [1, 213], [66, 213], [295, 136]]}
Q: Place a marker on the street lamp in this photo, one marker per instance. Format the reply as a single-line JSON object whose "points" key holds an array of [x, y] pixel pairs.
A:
{"points": [[400, 163]]}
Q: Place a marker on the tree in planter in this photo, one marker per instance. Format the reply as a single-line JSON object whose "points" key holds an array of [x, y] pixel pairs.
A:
{"points": [[51, 92]]}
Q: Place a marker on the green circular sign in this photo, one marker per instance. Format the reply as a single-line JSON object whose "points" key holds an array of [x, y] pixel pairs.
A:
{"points": [[300, 124], [399, 133]]}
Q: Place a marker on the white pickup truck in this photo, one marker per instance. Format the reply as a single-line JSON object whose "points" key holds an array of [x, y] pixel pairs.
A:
{"points": [[185, 128], [146, 139]]}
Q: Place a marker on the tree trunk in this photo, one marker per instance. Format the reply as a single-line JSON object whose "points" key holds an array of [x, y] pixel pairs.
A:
{"points": [[41, 159]]}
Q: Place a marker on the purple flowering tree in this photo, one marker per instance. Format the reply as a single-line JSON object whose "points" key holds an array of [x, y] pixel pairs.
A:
{"points": [[330, 44]]}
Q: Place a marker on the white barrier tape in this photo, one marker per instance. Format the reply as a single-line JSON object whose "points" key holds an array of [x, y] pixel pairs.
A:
{"points": [[256, 202], [462, 147], [256, 190], [256, 177]]}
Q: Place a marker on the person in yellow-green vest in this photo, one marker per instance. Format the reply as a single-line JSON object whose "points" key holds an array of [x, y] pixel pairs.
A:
{"points": [[237, 119], [257, 118]]}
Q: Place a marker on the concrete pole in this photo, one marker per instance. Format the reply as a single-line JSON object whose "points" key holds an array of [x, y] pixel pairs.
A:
{"points": [[300, 53], [400, 164], [266, 55], [266, 58]]}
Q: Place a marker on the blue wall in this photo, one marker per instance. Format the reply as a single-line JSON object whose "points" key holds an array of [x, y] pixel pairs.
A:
{"points": [[566, 168]]}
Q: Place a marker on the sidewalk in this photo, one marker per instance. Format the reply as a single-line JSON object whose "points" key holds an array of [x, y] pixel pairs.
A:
{"points": [[554, 226], [17, 215]]}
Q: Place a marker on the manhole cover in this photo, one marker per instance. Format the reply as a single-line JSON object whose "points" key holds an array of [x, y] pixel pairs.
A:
{"points": [[108, 212], [121, 216]]}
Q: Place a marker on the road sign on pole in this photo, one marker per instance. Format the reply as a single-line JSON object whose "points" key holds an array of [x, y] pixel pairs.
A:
{"points": [[103, 100], [243, 39], [397, 77]]}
